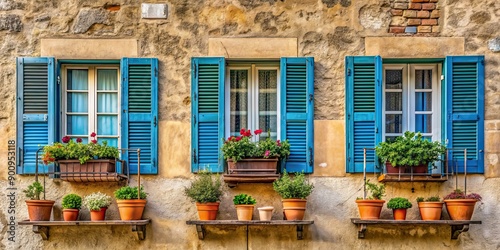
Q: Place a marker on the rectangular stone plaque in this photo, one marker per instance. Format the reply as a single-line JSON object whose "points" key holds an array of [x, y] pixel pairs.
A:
{"points": [[154, 11]]}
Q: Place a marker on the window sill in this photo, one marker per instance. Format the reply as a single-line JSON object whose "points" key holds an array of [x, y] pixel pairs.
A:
{"points": [[412, 177]]}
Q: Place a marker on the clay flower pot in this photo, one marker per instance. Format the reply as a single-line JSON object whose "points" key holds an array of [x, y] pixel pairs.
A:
{"points": [[39, 210], [70, 214], [208, 210], [244, 212], [97, 215], [294, 208], [430, 210], [265, 213], [460, 209], [399, 214], [131, 209], [370, 209]]}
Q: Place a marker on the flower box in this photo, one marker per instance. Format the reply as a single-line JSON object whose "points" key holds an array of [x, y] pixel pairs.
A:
{"points": [[90, 171], [253, 166]]}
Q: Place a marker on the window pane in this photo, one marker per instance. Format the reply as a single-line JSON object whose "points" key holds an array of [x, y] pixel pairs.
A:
{"points": [[393, 101], [238, 83], [107, 79], [268, 79], [111, 141], [77, 102], [77, 79], [107, 102], [394, 123], [268, 123], [423, 123], [394, 79], [423, 79], [85, 139], [77, 125], [107, 125], [423, 101]]}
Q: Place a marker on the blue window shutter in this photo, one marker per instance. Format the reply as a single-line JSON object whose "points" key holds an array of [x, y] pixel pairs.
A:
{"points": [[207, 121], [465, 111], [363, 111], [297, 112], [139, 128], [36, 96]]}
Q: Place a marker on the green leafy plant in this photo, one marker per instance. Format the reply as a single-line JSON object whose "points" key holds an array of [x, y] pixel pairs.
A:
{"points": [[71, 201], [376, 191], [459, 194], [129, 193], [33, 191], [429, 199], [293, 188], [239, 147], [399, 203], [206, 187], [244, 199], [96, 201], [69, 149], [411, 149]]}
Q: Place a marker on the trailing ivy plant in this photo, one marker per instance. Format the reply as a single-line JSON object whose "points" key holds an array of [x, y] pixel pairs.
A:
{"points": [[293, 188], [244, 199], [399, 203]]}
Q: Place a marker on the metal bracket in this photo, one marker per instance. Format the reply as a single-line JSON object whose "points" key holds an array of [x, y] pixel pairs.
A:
{"points": [[457, 230], [201, 231], [140, 230], [361, 231], [300, 230], [42, 231]]}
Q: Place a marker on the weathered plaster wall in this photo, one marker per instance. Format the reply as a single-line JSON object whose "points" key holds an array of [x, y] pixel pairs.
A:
{"points": [[328, 30]]}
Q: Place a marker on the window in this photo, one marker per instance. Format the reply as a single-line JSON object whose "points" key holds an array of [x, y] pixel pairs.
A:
{"points": [[117, 99], [225, 98], [442, 98]]}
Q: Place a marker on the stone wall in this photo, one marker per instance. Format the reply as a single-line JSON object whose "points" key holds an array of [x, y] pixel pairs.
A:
{"points": [[327, 30]]}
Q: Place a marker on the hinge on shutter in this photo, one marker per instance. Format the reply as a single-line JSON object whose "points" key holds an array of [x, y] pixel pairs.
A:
{"points": [[310, 156], [196, 71], [376, 130], [20, 155], [195, 160], [194, 119], [195, 97], [58, 80], [482, 62], [154, 121], [348, 72], [156, 72], [311, 97]]}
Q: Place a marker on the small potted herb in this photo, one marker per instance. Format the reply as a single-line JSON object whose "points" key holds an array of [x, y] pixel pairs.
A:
{"points": [[71, 204], [399, 206], [294, 192], [430, 208], [38, 210], [370, 208], [244, 204], [131, 202], [460, 206], [206, 190], [97, 203]]}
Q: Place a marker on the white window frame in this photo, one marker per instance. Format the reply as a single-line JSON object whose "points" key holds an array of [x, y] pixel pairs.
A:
{"points": [[253, 100], [92, 98]]}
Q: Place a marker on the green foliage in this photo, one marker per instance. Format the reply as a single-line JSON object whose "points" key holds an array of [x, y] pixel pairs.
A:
{"points": [[78, 150], [411, 149], [33, 191], [296, 188], [429, 199], [244, 199], [399, 203], [71, 201], [206, 187], [377, 191], [129, 193], [96, 201], [237, 148]]}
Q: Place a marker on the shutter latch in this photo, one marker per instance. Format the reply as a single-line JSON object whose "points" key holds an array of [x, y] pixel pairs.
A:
{"points": [[310, 156], [45, 117], [195, 160], [154, 121], [311, 97]]}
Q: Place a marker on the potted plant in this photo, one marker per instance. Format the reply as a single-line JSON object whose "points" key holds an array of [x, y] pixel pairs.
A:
{"points": [[409, 150], [78, 160], [430, 208], [244, 155], [244, 204], [460, 206], [399, 206], [370, 208], [206, 190], [71, 204], [294, 192], [38, 210], [97, 203], [131, 202]]}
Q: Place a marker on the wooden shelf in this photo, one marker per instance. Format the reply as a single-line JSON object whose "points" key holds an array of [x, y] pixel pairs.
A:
{"points": [[457, 226], [410, 178], [42, 227], [233, 179], [200, 224]]}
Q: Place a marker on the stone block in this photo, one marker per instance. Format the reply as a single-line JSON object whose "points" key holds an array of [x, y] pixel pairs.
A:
{"points": [[419, 1], [88, 17], [396, 29], [414, 6], [400, 6], [397, 12], [423, 14], [435, 14], [398, 21], [436, 29], [11, 23], [424, 29], [494, 44], [428, 6], [411, 29], [410, 13], [414, 21], [154, 11], [429, 22]]}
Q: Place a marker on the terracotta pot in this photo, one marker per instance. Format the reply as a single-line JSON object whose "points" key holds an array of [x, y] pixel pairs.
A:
{"points": [[294, 209], [265, 213], [131, 209], [394, 170], [253, 166], [70, 214], [244, 212], [96, 215], [399, 214], [421, 169], [430, 210], [72, 170], [208, 210], [370, 209], [39, 210], [460, 209]]}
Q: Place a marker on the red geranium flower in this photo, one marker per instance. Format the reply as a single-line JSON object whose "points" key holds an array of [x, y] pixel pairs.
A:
{"points": [[93, 134], [79, 140], [248, 133], [66, 139], [94, 141], [242, 131], [238, 138], [258, 131]]}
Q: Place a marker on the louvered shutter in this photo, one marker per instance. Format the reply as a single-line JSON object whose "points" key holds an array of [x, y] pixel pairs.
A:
{"points": [[297, 112], [35, 111], [139, 128], [363, 110], [465, 111], [207, 122]]}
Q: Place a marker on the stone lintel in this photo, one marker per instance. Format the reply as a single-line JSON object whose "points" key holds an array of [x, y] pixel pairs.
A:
{"points": [[252, 47], [414, 47], [89, 48]]}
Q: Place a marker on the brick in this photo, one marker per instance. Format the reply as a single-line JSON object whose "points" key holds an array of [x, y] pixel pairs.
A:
{"points": [[410, 13], [428, 6], [414, 6], [435, 29], [411, 29], [396, 29], [398, 21], [423, 14], [414, 21], [400, 6], [397, 12], [419, 1], [429, 22], [424, 29], [435, 14], [433, 1]]}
